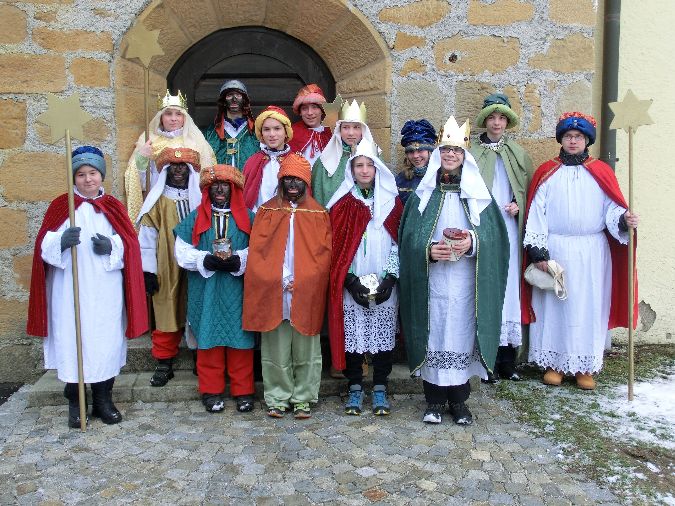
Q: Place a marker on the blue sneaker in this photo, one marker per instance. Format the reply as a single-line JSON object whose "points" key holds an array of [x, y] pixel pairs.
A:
{"points": [[380, 403], [355, 401]]}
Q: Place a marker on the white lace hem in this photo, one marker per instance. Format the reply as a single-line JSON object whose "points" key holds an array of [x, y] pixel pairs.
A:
{"points": [[535, 239], [451, 360], [370, 330], [567, 364], [511, 333]]}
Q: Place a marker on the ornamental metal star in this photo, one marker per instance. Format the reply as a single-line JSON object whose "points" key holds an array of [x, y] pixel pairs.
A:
{"points": [[143, 44], [630, 112], [332, 110], [64, 114]]}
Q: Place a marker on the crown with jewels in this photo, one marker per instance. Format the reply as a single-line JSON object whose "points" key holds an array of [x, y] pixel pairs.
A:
{"points": [[453, 135], [353, 112], [170, 100]]}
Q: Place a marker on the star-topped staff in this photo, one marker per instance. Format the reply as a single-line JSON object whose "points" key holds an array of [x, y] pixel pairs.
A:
{"points": [[144, 45], [629, 114], [332, 110], [64, 117]]}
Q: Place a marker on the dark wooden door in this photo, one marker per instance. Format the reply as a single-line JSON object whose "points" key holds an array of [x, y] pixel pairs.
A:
{"points": [[272, 65]]}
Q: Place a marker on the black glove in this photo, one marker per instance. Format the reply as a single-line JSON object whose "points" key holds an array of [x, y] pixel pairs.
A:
{"points": [[102, 244], [385, 288], [230, 264], [358, 292], [151, 282], [70, 238]]}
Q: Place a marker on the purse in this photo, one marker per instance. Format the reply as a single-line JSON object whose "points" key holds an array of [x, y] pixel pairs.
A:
{"points": [[553, 280]]}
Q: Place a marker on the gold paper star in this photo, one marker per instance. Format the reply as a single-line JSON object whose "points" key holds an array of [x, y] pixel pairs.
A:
{"points": [[630, 112], [143, 44], [64, 114], [332, 110]]}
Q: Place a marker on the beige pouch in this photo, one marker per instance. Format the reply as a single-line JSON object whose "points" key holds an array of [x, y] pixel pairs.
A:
{"points": [[553, 280]]}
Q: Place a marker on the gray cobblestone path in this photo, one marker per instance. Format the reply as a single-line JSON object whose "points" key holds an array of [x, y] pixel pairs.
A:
{"points": [[176, 453]]}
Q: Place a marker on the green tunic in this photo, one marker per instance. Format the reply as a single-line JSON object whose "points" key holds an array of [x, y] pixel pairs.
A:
{"points": [[415, 235], [324, 186], [214, 304], [232, 150]]}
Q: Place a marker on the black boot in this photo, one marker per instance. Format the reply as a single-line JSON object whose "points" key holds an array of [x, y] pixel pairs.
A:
{"points": [[194, 362], [163, 372], [70, 392], [102, 404], [506, 363]]}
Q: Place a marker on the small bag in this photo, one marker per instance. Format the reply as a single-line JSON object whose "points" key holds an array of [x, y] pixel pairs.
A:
{"points": [[553, 280]]}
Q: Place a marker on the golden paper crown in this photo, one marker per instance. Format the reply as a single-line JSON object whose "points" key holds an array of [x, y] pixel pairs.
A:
{"points": [[353, 112], [453, 135], [170, 100]]}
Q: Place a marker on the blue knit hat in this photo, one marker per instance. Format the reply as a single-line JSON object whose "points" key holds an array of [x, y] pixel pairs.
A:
{"points": [[418, 134], [576, 121], [89, 155]]}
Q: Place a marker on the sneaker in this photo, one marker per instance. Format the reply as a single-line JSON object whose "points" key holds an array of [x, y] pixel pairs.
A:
{"points": [[355, 400], [302, 411], [213, 403], [507, 370], [433, 413], [380, 402], [492, 378], [245, 403], [276, 412], [460, 413]]}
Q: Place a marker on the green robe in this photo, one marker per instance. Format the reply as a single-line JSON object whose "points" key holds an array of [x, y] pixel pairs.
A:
{"points": [[324, 186], [415, 235], [240, 147], [214, 305]]}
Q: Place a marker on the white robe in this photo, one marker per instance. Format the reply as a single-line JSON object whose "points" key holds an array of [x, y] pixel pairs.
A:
{"points": [[511, 331], [373, 329], [568, 216], [452, 356], [102, 312]]}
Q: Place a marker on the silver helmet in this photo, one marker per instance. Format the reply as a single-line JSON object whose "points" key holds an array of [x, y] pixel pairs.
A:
{"points": [[234, 84]]}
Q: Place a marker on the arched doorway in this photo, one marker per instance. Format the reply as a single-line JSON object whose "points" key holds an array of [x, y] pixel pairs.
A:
{"points": [[273, 66]]}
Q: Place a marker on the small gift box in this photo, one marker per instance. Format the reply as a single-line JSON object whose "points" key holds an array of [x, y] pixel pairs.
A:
{"points": [[452, 236], [222, 248]]}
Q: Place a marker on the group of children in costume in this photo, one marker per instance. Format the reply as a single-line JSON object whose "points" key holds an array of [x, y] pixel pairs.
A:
{"points": [[263, 226]]}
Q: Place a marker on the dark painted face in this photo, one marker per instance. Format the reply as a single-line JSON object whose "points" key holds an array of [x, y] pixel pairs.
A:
{"points": [[234, 101], [293, 188], [219, 193], [178, 175]]}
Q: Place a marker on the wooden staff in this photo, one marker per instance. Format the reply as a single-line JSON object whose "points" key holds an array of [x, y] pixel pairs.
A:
{"points": [[146, 99], [76, 287], [631, 270]]}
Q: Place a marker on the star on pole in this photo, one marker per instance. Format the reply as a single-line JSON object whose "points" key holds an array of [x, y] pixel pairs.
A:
{"points": [[64, 114], [332, 110], [630, 113], [143, 44]]}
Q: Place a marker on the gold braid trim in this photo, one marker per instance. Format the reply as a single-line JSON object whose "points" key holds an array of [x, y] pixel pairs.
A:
{"points": [[293, 209]]}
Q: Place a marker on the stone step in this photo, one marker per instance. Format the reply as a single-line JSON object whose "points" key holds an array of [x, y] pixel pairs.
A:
{"points": [[135, 386]]}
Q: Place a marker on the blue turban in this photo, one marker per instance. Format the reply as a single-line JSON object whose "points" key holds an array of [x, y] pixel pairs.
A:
{"points": [[576, 121], [89, 155], [418, 135]]}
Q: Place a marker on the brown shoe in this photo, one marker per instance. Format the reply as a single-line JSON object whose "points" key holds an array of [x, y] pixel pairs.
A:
{"points": [[335, 373], [553, 378], [585, 381]]}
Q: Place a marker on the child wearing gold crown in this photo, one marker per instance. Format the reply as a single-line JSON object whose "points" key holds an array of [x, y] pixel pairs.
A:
{"points": [[328, 171], [453, 275], [171, 127]]}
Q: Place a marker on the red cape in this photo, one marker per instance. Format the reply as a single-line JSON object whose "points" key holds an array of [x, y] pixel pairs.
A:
{"points": [[303, 136], [349, 218], [134, 285], [606, 179]]}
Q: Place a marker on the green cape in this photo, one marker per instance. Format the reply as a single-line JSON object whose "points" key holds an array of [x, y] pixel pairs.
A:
{"points": [[492, 265], [246, 145]]}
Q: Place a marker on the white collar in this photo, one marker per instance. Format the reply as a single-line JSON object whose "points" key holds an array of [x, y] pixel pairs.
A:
{"points": [[170, 135]]}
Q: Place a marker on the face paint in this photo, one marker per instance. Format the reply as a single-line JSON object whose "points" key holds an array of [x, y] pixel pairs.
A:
{"points": [[293, 188], [178, 175], [219, 193], [234, 101]]}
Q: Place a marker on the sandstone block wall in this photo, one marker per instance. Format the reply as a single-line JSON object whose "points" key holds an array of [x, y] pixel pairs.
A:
{"points": [[404, 58]]}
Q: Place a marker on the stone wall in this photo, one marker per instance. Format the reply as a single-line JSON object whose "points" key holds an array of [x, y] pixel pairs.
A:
{"points": [[405, 59]]}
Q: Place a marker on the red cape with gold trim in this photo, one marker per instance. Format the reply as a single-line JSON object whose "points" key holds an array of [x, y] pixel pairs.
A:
{"points": [[606, 179]]}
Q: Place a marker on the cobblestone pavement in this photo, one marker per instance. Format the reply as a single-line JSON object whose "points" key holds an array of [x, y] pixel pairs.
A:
{"points": [[176, 453]]}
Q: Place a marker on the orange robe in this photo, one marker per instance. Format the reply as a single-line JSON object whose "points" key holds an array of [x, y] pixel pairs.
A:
{"points": [[263, 302]]}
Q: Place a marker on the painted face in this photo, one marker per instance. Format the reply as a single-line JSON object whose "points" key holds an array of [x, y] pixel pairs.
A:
{"points": [[273, 133], [88, 181], [573, 142], [172, 119], [311, 115], [293, 188], [452, 157], [418, 158], [219, 193], [234, 102], [351, 133], [178, 175], [496, 124], [363, 170]]}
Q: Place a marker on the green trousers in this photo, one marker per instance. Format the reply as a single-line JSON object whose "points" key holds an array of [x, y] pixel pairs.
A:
{"points": [[291, 366]]}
